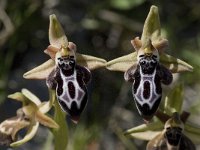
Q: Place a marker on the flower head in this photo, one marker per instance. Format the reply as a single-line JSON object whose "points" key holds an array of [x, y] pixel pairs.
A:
{"points": [[173, 115], [59, 45], [151, 42], [67, 72], [10, 127], [29, 116]]}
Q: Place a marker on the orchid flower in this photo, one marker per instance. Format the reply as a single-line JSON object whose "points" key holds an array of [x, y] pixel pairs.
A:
{"points": [[59, 42], [29, 116], [173, 104], [67, 72], [151, 32]]}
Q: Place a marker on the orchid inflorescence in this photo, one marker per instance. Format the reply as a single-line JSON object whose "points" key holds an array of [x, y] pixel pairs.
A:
{"points": [[68, 72]]}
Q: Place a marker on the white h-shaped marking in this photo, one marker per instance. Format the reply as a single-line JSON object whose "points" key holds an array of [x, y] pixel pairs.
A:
{"points": [[65, 96], [153, 95]]}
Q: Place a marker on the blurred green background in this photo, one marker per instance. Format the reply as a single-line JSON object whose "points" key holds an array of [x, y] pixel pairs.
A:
{"points": [[102, 28]]}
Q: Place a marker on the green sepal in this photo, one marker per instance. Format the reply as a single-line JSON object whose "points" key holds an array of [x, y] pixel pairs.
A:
{"points": [[90, 62], [40, 72], [175, 65], [145, 130], [122, 63], [57, 35], [151, 29]]}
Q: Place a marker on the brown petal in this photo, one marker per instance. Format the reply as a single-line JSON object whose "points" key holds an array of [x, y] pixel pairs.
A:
{"points": [[160, 45], [136, 43], [51, 51]]}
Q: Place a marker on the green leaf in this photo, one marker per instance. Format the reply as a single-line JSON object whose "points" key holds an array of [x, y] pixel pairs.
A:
{"points": [[174, 101], [61, 134], [122, 63], [125, 4]]}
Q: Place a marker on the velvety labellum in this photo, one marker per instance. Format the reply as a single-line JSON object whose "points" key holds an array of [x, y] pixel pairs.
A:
{"points": [[71, 91], [171, 138], [69, 80], [147, 78]]}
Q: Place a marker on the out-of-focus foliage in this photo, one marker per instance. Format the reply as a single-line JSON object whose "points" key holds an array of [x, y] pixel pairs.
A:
{"points": [[125, 4], [103, 29]]}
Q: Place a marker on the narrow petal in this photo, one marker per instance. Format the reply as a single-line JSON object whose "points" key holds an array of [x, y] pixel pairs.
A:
{"points": [[45, 120], [151, 29], [145, 127], [31, 97], [174, 100], [175, 65], [57, 36], [90, 62], [51, 51], [147, 135], [122, 63], [46, 106], [136, 43], [30, 134], [161, 45], [17, 96], [40, 72]]}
